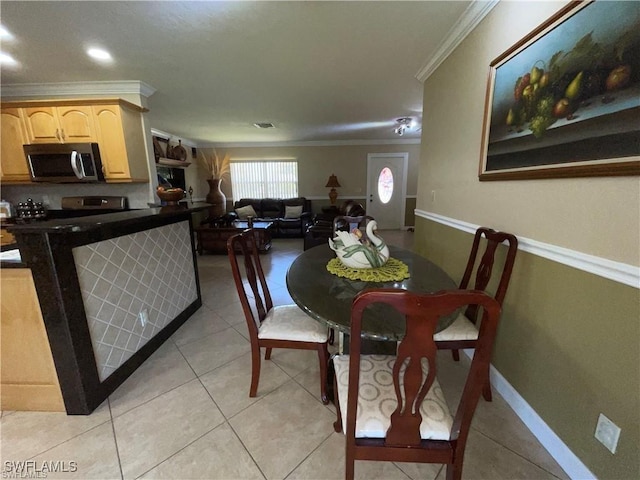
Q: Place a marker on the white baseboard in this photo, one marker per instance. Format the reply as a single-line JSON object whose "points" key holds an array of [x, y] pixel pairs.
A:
{"points": [[569, 462]]}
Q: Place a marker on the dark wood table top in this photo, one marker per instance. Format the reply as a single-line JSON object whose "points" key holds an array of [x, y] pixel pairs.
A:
{"points": [[327, 297]]}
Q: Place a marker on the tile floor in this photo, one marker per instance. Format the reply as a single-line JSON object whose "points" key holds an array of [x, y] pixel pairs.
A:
{"points": [[186, 412]]}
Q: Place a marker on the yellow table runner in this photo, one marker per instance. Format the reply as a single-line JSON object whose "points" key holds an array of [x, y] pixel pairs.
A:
{"points": [[392, 271]]}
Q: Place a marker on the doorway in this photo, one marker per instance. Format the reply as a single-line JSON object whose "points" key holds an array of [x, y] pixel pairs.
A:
{"points": [[387, 188]]}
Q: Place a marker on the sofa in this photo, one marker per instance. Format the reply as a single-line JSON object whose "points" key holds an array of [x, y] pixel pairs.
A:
{"points": [[290, 216]]}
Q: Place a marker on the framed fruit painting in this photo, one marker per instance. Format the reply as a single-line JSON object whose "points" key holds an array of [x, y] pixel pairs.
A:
{"points": [[565, 100]]}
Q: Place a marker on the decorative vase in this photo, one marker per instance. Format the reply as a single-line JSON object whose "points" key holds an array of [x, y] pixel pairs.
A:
{"points": [[216, 198]]}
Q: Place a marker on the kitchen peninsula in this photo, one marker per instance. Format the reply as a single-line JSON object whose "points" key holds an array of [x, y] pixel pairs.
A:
{"points": [[111, 289]]}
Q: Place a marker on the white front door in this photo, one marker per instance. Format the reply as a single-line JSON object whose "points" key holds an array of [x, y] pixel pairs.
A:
{"points": [[387, 188]]}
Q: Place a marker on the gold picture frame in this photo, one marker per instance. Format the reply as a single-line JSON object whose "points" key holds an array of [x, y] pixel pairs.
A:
{"points": [[565, 100]]}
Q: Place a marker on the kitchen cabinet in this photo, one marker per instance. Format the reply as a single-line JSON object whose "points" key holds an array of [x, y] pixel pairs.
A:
{"points": [[115, 124], [122, 143], [13, 164], [28, 377], [64, 124]]}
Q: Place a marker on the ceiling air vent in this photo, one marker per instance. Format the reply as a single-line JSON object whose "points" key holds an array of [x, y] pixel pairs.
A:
{"points": [[264, 125]]}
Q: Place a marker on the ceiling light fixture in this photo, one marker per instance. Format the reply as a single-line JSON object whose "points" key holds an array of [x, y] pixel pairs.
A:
{"points": [[7, 60], [404, 123], [99, 54], [264, 125], [5, 34]]}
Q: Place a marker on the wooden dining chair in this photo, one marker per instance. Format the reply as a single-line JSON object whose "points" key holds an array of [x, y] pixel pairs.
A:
{"points": [[282, 326], [349, 222], [392, 407], [463, 332]]}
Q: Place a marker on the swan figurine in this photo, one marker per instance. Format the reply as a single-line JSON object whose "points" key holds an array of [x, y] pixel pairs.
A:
{"points": [[356, 253]]}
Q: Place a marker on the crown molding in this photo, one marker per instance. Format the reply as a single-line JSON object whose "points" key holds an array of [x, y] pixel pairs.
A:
{"points": [[327, 143], [603, 267], [463, 27], [185, 141], [125, 87]]}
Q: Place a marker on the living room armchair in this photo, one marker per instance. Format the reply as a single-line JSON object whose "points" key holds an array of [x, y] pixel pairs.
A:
{"points": [[322, 229]]}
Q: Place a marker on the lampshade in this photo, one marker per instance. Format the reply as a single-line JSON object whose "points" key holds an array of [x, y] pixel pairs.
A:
{"points": [[333, 181]]}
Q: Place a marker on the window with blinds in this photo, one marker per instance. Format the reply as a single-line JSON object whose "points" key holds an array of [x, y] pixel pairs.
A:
{"points": [[264, 179]]}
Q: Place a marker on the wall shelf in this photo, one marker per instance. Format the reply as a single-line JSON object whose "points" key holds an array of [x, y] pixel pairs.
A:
{"points": [[168, 162]]}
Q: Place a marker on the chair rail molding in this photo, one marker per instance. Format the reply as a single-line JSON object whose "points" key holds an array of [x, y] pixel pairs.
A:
{"points": [[616, 271]]}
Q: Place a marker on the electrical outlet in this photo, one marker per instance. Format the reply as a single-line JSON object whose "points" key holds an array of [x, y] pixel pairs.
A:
{"points": [[433, 196], [608, 433], [143, 316]]}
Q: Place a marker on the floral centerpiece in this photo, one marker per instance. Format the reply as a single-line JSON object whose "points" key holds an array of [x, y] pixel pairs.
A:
{"points": [[356, 250]]}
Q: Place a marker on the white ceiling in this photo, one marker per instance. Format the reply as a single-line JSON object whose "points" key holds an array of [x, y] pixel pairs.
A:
{"points": [[319, 71]]}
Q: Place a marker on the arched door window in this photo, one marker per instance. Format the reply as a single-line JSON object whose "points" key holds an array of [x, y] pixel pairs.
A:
{"points": [[385, 185]]}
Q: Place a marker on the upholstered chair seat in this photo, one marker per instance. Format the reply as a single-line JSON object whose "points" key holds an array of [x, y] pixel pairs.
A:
{"points": [[460, 329], [288, 322], [377, 399]]}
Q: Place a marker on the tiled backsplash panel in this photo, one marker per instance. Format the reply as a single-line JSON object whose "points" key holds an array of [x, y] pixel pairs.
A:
{"points": [[122, 277]]}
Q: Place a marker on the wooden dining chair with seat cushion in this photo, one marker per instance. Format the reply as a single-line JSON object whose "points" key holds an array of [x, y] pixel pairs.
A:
{"points": [[463, 332], [392, 407], [282, 326], [348, 222]]}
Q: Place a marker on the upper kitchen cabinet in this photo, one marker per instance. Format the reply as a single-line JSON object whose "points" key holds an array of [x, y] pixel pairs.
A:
{"points": [[13, 165], [64, 124], [115, 124], [122, 142]]}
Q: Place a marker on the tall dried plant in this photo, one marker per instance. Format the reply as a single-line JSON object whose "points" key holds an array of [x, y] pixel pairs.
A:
{"points": [[216, 166]]}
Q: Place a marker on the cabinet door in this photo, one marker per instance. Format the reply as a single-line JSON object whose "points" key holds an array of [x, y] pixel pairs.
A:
{"points": [[29, 380], [13, 163], [42, 125], [76, 124], [113, 149]]}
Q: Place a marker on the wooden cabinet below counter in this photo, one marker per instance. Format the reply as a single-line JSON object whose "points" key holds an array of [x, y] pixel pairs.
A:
{"points": [[28, 376]]}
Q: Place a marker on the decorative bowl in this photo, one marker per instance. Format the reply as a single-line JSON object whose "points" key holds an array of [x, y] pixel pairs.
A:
{"points": [[357, 251], [171, 196]]}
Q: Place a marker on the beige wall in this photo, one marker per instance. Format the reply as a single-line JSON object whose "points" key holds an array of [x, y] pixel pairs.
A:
{"points": [[569, 341], [316, 163], [571, 213]]}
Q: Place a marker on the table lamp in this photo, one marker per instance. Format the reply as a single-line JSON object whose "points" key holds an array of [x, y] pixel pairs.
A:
{"points": [[333, 183]]}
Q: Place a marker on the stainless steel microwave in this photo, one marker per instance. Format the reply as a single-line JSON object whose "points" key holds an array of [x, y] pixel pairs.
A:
{"points": [[64, 162]]}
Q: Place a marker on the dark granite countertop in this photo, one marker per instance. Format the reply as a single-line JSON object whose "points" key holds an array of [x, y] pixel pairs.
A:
{"points": [[91, 223], [83, 224]]}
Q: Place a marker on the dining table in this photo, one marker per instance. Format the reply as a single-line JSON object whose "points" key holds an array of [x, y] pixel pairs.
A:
{"points": [[327, 297]]}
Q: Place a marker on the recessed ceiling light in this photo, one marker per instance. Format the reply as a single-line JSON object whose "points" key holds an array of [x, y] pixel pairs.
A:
{"points": [[5, 34], [8, 60], [99, 54], [264, 125]]}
